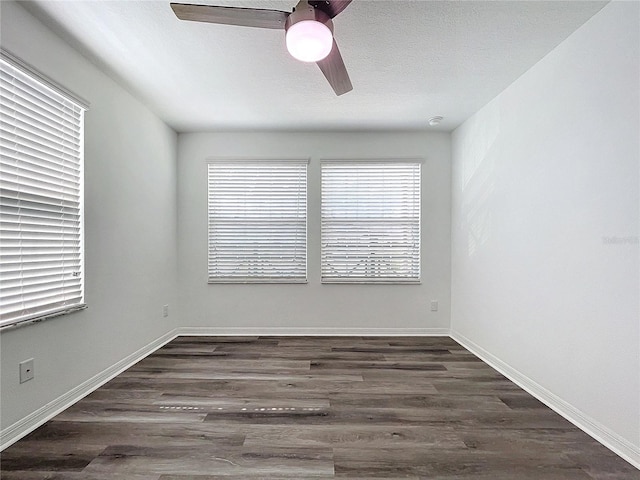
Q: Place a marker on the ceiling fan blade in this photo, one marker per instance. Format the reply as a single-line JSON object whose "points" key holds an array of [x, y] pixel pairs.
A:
{"points": [[335, 72], [246, 17], [330, 7]]}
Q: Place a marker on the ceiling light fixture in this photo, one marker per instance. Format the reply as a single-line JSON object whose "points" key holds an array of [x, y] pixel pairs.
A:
{"points": [[435, 121], [309, 34], [309, 40]]}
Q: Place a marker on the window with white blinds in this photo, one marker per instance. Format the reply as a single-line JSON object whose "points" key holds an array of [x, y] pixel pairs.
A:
{"points": [[371, 221], [41, 239], [257, 221]]}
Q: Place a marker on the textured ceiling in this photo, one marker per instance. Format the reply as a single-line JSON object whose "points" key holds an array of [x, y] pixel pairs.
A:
{"points": [[408, 60]]}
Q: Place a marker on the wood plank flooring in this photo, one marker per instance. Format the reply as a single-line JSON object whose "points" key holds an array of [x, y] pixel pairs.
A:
{"points": [[320, 408]]}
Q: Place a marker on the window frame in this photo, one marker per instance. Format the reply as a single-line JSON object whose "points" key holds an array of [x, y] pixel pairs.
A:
{"points": [[37, 82], [258, 161], [325, 220]]}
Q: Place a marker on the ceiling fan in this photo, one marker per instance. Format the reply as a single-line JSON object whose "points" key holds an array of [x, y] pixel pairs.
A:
{"points": [[309, 31]]}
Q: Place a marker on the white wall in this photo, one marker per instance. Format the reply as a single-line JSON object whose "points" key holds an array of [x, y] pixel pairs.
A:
{"points": [[130, 208], [545, 208], [314, 308]]}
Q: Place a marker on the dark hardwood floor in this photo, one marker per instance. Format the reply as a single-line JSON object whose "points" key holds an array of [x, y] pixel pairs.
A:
{"points": [[249, 408]]}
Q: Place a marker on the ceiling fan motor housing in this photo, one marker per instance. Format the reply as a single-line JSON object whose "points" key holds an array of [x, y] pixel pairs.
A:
{"points": [[304, 11]]}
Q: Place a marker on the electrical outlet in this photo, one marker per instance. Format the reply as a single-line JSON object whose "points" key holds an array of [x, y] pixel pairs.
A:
{"points": [[165, 310], [26, 370], [434, 305]]}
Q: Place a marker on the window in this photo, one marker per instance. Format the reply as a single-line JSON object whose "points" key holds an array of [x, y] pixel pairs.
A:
{"points": [[371, 221], [41, 240], [257, 221]]}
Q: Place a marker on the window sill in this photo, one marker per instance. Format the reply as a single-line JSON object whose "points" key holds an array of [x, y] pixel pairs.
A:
{"points": [[344, 281], [257, 281], [42, 317]]}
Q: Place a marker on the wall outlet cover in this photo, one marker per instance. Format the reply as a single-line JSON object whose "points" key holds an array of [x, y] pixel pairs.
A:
{"points": [[26, 370]]}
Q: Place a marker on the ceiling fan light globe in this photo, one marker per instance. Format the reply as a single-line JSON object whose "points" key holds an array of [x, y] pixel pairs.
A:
{"points": [[309, 40]]}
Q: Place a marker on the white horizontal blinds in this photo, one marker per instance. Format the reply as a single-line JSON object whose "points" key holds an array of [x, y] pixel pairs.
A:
{"points": [[257, 221], [41, 251], [371, 221]]}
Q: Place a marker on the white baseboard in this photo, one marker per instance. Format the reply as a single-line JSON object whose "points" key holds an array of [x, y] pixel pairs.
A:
{"points": [[313, 331], [26, 425], [608, 438]]}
